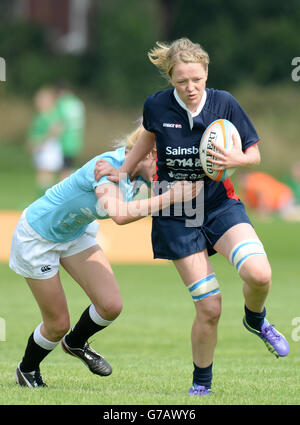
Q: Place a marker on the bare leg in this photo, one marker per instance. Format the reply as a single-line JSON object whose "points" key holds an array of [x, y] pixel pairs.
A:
{"points": [[255, 272], [44, 180], [52, 302], [92, 271], [208, 310]]}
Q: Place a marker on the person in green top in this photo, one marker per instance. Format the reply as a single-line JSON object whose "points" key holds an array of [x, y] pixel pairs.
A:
{"points": [[42, 139], [71, 113]]}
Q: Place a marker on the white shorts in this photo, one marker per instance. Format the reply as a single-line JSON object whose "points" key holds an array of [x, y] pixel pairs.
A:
{"points": [[49, 156], [33, 256]]}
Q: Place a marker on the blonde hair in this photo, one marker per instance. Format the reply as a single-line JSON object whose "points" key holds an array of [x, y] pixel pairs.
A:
{"points": [[130, 140], [165, 56]]}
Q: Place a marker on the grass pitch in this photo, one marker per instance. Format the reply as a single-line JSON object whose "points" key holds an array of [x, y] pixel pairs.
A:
{"points": [[149, 345]]}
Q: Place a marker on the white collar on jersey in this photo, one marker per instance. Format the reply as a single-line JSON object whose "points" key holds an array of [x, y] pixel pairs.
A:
{"points": [[189, 113]]}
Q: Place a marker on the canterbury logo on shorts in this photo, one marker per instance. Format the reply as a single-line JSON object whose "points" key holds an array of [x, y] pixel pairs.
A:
{"points": [[45, 269]]}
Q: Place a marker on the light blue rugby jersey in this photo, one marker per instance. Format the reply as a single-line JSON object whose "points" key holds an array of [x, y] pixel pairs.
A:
{"points": [[67, 208]]}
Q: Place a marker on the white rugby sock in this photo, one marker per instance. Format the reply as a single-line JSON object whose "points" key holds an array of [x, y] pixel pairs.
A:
{"points": [[38, 347], [43, 342], [97, 318]]}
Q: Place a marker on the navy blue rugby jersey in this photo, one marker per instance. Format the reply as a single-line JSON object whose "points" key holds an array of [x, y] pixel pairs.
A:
{"points": [[178, 134]]}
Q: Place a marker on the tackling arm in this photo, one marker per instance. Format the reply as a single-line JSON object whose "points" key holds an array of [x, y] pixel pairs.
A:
{"points": [[110, 198]]}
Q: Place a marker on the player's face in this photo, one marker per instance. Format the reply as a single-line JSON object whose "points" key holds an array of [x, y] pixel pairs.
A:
{"points": [[189, 79], [146, 168], [44, 101]]}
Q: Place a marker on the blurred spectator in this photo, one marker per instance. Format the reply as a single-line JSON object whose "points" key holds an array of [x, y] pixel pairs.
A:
{"points": [[42, 140], [266, 195], [293, 180], [71, 113]]}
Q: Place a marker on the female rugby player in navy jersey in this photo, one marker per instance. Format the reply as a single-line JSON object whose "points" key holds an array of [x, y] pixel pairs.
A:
{"points": [[175, 119]]}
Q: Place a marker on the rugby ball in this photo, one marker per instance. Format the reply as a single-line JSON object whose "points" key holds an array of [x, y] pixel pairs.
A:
{"points": [[219, 131]]}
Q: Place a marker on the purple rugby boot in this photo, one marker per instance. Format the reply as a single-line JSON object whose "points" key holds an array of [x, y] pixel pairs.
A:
{"points": [[198, 390], [274, 340]]}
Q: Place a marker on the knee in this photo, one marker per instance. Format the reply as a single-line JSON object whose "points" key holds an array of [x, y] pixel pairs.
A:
{"points": [[110, 309], [57, 329], [258, 275], [212, 315], [210, 310]]}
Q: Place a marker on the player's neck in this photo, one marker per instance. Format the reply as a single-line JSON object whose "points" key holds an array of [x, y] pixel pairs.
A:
{"points": [[191, 107]]}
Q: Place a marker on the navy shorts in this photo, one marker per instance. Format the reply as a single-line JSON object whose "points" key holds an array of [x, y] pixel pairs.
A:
{"points": [[172, 239]]}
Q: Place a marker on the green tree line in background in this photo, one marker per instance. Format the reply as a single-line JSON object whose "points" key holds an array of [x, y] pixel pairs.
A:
{"points": [[249, 42]]}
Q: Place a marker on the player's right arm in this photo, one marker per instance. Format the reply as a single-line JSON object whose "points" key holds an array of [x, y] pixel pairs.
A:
{"points": [[140, 150], [110, 198], [234, 158]]}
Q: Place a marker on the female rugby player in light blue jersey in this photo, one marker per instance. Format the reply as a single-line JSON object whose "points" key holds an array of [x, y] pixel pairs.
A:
{"points": [[60, 228], [176, 119]]}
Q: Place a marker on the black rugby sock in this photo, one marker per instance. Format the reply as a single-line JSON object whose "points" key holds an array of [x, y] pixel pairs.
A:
{"points": [[33, 356], [82, 331], [203, 376], [255, 320]]}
